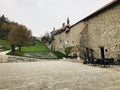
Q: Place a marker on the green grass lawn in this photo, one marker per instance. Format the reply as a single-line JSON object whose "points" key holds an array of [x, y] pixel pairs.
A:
{"points": [[41, 48], [5, 44], [58, 54], [38, 47]]}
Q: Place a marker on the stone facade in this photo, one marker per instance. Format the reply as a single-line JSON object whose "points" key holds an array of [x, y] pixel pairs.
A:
{"points": [[66, 39], [104, 31], [57, 43], [83, 40], [98, 33]]}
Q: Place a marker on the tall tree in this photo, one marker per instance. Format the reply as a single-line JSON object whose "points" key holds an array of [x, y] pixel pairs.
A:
{"points": [[46, 38], [3, 19], [4, 29], [19, 36]]}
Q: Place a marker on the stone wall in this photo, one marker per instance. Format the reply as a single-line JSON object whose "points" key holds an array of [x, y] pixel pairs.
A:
{"points": [[83, 40], [71, 38], [9, 59], [58, 43], [104, 31]]}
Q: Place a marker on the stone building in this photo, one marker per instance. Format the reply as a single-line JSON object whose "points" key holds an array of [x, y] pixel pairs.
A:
{"points": [[102, 34], [98, 34], [58, 43], [67, 36]]}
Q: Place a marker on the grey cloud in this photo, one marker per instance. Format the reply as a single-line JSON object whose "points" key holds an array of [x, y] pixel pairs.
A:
{"points": [[42, 15]]}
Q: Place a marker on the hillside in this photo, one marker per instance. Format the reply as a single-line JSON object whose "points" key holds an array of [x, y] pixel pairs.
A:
{"points": [[38, 50], [4, 45]]}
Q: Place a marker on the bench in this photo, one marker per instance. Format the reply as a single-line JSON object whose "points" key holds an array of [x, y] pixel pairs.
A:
{"points": [[102, 62], [107, 62]]}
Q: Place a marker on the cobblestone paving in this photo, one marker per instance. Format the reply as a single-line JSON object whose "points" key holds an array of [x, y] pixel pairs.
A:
{"points": [[57, 75]]}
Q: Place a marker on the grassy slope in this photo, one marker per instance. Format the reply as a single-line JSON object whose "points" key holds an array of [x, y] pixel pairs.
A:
{"points": [[38, 47], [58, 54], [5, 45]]}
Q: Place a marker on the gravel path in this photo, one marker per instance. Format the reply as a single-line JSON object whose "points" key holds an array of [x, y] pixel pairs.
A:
{"points": [[3, 56], [57, 75]]}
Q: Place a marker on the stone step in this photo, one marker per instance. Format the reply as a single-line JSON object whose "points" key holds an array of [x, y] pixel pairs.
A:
{"points": [[40, 55]]}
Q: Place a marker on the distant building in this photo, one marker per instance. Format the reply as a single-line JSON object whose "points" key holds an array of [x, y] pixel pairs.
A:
{"points": [[67, 36], [58, 42]]}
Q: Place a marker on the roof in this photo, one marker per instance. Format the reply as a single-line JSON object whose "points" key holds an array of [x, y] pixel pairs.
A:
{"points": [[58, 31], [103, 9]]}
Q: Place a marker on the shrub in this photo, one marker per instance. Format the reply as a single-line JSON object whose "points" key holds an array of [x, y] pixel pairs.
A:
{"points": [[68, 50], [58, 54]]}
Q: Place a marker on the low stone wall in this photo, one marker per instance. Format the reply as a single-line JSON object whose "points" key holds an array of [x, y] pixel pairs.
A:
{"points": [[41, 55], [21, 59], [9, 59]]}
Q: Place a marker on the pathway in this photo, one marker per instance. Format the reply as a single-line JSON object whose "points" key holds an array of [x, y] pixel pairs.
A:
{"points": [[57, 75], [3, 56]]}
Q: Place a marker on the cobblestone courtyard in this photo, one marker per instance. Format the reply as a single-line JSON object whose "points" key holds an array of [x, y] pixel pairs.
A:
{"points": [[57, 75]]}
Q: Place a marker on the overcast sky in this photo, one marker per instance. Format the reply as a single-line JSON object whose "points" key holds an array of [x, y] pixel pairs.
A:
{"points": [[40, 16]]}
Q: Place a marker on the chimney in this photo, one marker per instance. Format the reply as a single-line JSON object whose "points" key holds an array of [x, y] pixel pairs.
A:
{"points": [[68, 22]]}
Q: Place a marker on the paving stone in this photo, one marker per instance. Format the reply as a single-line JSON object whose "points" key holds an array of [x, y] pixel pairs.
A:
{"points": [[57, 75]]}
